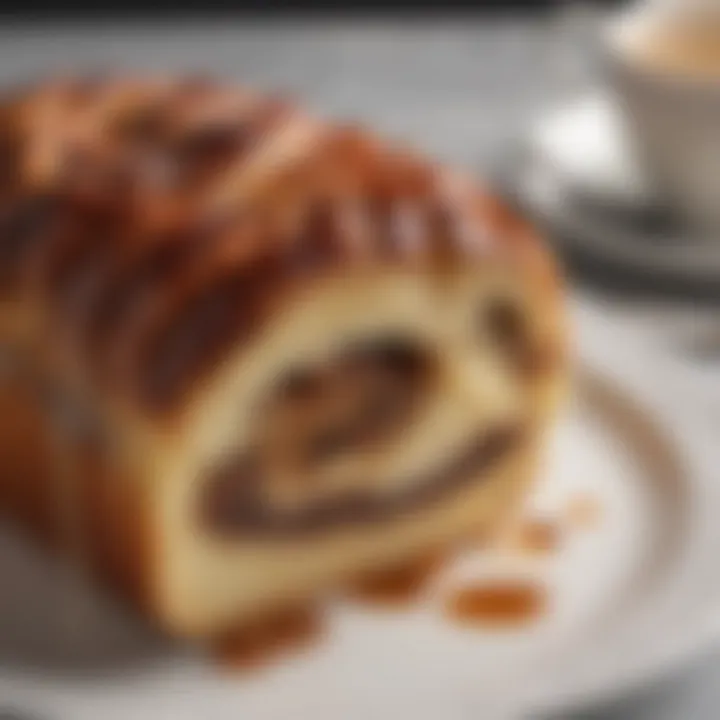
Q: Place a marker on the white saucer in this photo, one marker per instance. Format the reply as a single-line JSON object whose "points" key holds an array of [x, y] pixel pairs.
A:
{"points": [[575, 173], [629, 599]]}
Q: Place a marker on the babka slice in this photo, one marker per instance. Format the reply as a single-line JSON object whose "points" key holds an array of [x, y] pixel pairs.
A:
{"points": [[247, 355]]}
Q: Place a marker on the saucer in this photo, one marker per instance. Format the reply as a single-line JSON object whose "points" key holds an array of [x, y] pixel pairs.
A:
{"points": [[575, 174]]}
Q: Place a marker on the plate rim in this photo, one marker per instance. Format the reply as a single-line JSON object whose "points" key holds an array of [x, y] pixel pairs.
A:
{"points": [[608, 674]]}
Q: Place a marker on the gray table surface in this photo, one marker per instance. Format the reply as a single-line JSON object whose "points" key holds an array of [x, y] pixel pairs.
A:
{"points": [[459, 89]]}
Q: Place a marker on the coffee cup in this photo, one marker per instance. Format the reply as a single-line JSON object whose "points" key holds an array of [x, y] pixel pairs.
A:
{"points": [[663, 61]]}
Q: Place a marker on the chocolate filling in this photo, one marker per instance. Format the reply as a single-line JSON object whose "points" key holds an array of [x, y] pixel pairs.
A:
{"points": [[186, 345], [143, 126], [138, 279], [196, 336], [232, 504], [10, 154], [508, 328], [24, 223], [78, 251], [360, 397]]}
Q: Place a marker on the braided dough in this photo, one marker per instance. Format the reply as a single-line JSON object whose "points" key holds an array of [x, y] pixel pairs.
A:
{"points": [[247, 354]]}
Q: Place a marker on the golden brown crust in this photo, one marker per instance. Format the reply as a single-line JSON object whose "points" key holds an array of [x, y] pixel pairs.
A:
{"points": [[118, 536], [143, 265], [64, 487], [27, 456]]}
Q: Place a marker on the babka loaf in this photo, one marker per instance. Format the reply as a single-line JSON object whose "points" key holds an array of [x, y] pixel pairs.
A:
{"points": [[248, 355]]}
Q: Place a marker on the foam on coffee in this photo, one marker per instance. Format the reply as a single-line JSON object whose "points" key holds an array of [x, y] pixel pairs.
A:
{"points": [[677, 43]]}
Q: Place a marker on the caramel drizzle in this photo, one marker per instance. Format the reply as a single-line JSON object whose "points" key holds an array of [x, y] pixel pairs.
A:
{"points": [[136, 198]]}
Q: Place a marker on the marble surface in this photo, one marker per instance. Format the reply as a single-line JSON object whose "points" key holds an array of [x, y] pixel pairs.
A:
{"points": [[460, 89]]}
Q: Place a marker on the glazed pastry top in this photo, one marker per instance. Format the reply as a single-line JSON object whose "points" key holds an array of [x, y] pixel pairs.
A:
{"points": [[154, 225]]}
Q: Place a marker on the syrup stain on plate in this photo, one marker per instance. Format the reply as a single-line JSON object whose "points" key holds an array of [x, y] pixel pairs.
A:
{"points": [[490, 603], [497, 603], [535, 536]]}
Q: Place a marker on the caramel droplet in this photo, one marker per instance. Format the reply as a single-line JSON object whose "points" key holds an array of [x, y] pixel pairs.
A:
{"points": [[536, 536], [260, 642], [498, 604], [398, 585]]}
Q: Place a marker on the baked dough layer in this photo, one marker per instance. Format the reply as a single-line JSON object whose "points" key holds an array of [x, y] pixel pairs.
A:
{"points": [[227, 319]]}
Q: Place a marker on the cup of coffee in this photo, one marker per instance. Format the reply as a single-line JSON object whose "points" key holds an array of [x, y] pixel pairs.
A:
{"points": [[664, 63]]}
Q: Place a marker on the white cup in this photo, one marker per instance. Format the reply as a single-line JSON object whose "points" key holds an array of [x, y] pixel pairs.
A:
{"points": [[668, 90]]}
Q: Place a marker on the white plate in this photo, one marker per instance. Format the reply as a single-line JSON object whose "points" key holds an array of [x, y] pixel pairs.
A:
{"points": [[631, 598]]}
